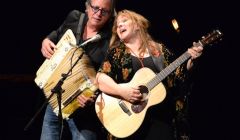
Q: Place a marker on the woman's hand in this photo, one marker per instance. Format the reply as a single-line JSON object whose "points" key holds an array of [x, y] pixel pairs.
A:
{"points": [[195, 52], [131, 94]]}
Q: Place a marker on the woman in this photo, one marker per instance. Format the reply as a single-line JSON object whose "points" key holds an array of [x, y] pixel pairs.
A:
{"points": [[132, 48]]}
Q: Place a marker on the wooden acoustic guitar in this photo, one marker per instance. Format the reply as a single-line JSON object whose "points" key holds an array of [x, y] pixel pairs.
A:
{"points": [[121, 118]]}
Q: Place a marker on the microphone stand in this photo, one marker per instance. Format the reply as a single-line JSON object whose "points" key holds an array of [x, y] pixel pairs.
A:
{"points": [[57, 90]]}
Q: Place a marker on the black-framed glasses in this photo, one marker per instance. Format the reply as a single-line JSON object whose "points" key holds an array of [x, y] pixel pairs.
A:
{"points": [[96, 9]]}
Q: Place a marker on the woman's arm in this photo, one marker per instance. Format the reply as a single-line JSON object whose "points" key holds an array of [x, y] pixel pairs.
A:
{"points": [[107, 85]]}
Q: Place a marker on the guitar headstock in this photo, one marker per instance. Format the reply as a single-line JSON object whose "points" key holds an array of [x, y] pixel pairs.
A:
{"points": [[211, 38]]}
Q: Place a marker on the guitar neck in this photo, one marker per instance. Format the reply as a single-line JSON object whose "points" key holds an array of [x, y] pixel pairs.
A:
{"points": [[207, 40], [169, 69]]}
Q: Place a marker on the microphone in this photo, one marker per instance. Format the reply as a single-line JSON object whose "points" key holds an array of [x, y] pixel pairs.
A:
{"points": [[95, 38]]}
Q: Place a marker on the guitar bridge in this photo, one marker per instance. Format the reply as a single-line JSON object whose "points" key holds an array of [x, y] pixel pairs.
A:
{"points": [[124, 107]]}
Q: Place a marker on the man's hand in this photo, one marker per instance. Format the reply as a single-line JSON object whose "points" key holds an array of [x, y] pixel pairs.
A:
{"points": [[84, 101], [48, 48]]}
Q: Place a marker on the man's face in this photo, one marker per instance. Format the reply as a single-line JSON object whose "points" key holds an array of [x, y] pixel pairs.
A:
{"points": [[99, 11]]}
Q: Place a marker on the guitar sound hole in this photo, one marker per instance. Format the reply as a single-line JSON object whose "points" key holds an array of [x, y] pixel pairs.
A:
{"points": [[138, 107]]}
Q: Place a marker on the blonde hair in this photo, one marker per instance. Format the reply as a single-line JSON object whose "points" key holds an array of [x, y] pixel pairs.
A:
{"points": [[143, 25]]}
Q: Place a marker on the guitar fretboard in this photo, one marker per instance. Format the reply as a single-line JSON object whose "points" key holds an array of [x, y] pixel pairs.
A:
{"points": [[169, 69]]}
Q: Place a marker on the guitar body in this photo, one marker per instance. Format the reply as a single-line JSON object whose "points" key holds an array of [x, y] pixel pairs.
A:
{"points": [[122, 118]]}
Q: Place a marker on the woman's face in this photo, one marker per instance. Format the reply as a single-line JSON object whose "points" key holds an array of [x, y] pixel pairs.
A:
{"points": [[125, 28]]}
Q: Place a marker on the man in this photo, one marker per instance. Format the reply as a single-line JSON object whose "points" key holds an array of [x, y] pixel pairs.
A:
{"points": [[83, 125]]}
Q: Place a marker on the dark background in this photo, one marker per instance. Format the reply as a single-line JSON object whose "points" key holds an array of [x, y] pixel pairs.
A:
{"points": [[213, 99]]}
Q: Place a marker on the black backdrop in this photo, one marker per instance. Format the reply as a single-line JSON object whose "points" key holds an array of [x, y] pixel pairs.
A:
{"points": [[213, 100]]}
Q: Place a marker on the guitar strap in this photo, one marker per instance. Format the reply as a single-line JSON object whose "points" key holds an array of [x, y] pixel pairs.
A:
{"points": [[79, 28]]}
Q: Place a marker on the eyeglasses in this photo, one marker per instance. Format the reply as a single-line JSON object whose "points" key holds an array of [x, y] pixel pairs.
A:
{"points": [[95, 9]]}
